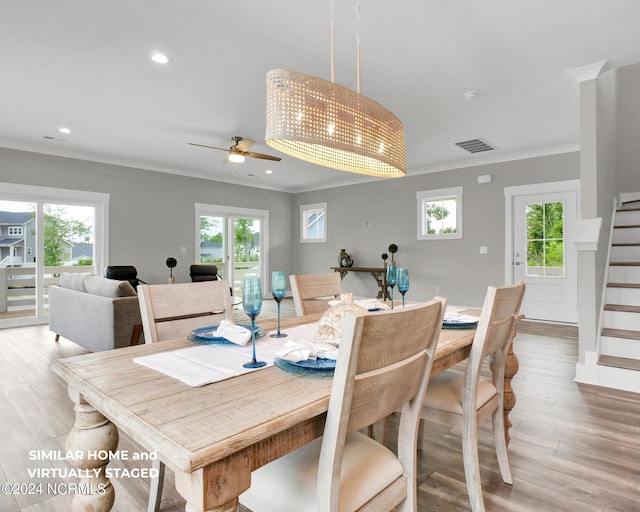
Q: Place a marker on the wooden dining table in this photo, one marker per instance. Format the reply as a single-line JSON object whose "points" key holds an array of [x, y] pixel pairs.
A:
{"points": [[212, 436]]}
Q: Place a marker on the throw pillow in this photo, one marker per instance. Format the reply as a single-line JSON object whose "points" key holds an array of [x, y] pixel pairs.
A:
{"points": [[109, 287], [73, 281]]}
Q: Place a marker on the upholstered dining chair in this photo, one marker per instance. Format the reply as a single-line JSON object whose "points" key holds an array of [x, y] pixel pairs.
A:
{"points": [[172, 311], [312, 292], [466, 398], [383, 365]]}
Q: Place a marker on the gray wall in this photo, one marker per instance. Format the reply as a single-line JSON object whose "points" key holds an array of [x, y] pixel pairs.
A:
{"points": [[151, 213], [455, 266], [628, 128]]}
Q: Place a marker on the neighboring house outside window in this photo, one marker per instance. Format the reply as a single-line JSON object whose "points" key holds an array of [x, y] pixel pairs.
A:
{"points": [[14, 237]]}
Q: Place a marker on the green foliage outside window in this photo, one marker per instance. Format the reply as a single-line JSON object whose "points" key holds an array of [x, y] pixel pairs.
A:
{"points": [[545, 235]]}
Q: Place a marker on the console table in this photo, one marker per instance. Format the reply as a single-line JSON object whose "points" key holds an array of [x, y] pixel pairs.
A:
{"points": [[378, 273]]}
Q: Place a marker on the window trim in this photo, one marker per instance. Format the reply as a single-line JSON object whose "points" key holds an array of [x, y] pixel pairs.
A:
{"points": [[304, 226], [425, 196]]}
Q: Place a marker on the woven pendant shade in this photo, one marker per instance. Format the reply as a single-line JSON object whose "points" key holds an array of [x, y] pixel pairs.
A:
{"points": [[327, 124]]}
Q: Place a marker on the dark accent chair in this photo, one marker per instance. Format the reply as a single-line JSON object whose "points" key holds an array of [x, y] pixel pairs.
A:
{"points": [[200, 273], [123, 273]]}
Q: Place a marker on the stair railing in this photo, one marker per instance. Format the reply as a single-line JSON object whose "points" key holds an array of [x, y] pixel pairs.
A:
{"points": [[605, 281]]}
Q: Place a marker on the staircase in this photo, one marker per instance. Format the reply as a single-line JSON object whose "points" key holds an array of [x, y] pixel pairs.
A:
{"points": [[620, 333]]}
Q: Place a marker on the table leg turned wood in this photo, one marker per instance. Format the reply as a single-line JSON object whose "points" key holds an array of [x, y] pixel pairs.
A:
{"points": [[90, 442], [510, 370], [215, 488]]}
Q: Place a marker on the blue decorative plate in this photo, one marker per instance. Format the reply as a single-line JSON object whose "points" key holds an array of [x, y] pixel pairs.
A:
{"points": [[323, 367], [208, 334]]}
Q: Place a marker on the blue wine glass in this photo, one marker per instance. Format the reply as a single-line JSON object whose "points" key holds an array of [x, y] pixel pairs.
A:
{"points": [[252, 303], [278, 288], [392, 276], [403, 282]]}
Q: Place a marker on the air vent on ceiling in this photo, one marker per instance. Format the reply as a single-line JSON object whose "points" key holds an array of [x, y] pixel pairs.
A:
{"points": [[474, 145]]}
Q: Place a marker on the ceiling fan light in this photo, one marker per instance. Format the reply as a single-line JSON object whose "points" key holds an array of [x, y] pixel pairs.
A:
{"points": [[327, 124], [235, 157]]}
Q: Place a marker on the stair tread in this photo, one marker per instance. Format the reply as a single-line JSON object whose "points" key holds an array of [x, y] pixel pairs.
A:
{"points": [[625, 263], [623, 285], [622, 307], [626, 244], [621, 333], [619, 362], [634, 209], [627, 226]]}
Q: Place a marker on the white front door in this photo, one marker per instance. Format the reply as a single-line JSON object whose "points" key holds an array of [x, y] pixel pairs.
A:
{"points": [[542, 253]]}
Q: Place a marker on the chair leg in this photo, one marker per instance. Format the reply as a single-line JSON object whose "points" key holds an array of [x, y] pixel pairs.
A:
{"points": [[57, 337], [500, 442], [155, 487], [471, 464]]}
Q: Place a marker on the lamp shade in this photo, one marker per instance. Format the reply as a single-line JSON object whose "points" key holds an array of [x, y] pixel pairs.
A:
{"points": [[327, 124]]}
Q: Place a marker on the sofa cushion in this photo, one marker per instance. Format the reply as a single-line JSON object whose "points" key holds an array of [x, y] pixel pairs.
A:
{"points": [[73, 281], [109, 287]]}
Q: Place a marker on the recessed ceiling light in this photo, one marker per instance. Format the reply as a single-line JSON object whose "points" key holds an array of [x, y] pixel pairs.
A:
{"points": [[64, 130], [160, 58], [269, 171]]}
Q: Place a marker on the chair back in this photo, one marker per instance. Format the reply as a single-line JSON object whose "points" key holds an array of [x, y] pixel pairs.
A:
{"points": [[199, 273], [312, 292], [496, 329], [123, 273], [173, 310], [383, 366]]}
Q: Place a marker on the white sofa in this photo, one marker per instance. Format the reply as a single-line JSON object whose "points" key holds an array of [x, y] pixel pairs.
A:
{"points": [[95, 312]]}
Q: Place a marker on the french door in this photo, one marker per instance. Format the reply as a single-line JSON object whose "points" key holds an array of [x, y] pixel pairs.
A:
{"points": [[235, 240], [542, 252], [43, 233]]}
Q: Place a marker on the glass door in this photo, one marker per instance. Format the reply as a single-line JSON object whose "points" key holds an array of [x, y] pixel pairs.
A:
{"points": [[43, 233], [233, 239], [17, 260]]}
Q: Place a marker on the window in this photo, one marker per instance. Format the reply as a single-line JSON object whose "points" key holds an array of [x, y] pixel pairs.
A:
{"points": [[15, 231], [545, 239], [439, 213], [313, 222]]}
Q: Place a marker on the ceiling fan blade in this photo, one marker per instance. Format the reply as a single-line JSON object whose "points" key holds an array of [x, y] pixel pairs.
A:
{"points": [[226, 160], [244, 145], [210, 147], [262, 156]]}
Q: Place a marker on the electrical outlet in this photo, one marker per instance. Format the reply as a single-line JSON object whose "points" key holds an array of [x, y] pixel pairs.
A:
{"points": [[483, 249], [183, 250]]}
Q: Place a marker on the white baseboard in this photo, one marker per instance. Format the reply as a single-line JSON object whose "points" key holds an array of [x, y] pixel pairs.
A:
{"points": [[590, 372]]}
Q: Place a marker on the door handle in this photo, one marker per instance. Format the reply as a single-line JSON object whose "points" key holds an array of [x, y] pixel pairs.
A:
{"points": [[516, 263]]}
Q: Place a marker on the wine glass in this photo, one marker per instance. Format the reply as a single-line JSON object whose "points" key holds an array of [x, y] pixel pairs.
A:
{"points": [[278, 288], [252, 303], [392, 276], [403, 282]]}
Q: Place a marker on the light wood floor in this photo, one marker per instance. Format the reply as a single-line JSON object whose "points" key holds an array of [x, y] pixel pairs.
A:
{"points": [[573, 447]]}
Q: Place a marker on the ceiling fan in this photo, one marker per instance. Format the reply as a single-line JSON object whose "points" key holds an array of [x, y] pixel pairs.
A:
{"points": [[239, 150]]}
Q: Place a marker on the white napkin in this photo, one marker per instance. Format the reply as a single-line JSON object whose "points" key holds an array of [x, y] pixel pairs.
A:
{"points": [[372, 304], [302, 350], [233, 332], [463, 319]]}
